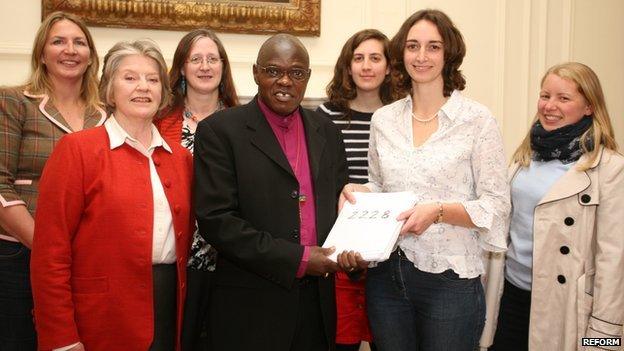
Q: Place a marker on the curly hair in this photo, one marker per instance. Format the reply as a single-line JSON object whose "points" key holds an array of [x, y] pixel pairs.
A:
{"points": [[454, 51], [342, 88]]}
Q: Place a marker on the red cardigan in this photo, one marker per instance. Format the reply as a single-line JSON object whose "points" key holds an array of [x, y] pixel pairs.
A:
{"points": [[91, 265], [170, 126]]}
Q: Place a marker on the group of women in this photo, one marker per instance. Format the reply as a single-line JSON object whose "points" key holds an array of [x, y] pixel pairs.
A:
{"points": [[117, 264]]}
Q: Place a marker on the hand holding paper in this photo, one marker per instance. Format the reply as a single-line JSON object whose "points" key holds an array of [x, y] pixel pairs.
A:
{"points": [[369, 226], [347, 193], [350, 261]]}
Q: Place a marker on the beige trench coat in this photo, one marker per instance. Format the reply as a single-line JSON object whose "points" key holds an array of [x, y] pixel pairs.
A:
{"points": [[578, 260]]}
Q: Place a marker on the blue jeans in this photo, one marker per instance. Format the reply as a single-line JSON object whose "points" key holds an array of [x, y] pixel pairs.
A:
{"points": [[17, 331], [413, 310]]}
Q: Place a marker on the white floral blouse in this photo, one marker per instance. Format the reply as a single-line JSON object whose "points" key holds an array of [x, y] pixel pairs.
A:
{"points": [[463, 162]]}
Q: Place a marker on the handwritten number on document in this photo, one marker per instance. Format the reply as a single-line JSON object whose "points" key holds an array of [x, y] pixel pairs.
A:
{"points": [[364, 214]]}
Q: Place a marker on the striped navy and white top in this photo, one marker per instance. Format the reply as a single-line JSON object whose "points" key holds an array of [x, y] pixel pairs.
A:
{"points": [[355, 132]]}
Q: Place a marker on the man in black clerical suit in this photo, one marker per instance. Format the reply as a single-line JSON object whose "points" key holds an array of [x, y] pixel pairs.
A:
{"points": [[267, 179]]}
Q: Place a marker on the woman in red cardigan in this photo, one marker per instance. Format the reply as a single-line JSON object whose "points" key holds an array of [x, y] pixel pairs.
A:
{"points": [[113, 226], [201, 81]]}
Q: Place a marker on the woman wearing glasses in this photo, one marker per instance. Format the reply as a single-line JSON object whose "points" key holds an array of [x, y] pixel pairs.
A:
{"points": [[201, 81]]}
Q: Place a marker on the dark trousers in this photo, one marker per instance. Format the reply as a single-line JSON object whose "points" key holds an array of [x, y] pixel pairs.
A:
{"points": [[411, 310], [196, 322], [512, 330], [17, 331], [310, 331], [165, 286]]}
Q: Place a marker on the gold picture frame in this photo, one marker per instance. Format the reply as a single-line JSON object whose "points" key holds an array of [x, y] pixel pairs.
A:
{"points": [[298, 17]]}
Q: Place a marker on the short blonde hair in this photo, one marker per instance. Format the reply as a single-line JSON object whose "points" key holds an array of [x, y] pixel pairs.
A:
{"points": [[39, 82], [124, 49], [601, 130]]}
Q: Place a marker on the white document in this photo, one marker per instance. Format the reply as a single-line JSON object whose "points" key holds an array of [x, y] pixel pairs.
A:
{"points": [[370, 226]]}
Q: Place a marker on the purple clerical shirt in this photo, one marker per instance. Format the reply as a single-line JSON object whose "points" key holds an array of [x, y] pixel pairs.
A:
{"points": [[290, 134]]}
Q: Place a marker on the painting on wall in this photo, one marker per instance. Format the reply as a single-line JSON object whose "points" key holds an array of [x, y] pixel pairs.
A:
{"points": [[298, 17]]}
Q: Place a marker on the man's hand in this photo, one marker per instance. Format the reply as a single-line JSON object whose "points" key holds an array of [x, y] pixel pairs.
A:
{"points": [[347, 193], [318, 263], [351, 261]]}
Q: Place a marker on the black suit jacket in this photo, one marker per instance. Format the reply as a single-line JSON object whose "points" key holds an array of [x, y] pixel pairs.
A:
{"points": [[246, 201]]}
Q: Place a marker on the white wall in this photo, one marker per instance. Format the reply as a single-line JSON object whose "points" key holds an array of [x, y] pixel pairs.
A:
{"points": [[598, 40], [510, 44]]}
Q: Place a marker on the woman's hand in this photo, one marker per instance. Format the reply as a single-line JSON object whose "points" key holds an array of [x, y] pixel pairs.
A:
{"points": [[347, 193], [350, 261], [419, 218]]}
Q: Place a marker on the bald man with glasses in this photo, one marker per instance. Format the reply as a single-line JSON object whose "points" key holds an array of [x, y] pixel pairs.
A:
{"points": [[267, 179]]}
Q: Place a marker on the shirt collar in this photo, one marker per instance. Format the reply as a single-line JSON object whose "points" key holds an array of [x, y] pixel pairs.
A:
{"points": [[450, 108], [285, 122], [117, 136]]}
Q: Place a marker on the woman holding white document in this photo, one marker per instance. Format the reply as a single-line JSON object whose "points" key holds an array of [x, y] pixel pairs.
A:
{"points": [[448, 150]]}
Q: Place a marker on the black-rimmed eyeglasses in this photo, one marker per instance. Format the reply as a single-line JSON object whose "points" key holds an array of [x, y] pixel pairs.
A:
{"points": [[297, 74]]}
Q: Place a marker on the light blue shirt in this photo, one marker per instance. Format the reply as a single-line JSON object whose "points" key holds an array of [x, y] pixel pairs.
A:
{"points": [[527, 189]]}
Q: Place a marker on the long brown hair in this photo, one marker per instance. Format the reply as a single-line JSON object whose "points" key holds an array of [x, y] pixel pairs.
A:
{"points": [[227, 91], [454, 51], [39, 81], [601, 130], [342, 88]]}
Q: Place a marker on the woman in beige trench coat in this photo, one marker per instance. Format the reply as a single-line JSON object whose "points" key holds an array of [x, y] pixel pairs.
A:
{"points": [[572, 260]]}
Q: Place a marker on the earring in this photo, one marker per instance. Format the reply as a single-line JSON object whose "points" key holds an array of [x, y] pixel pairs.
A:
{"points": [[183, 85]]}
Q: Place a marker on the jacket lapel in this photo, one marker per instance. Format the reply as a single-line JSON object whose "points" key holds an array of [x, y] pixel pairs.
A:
{"points": [[315, 141], [571, 183], [49, 111], [93, 118], [263, 138]]}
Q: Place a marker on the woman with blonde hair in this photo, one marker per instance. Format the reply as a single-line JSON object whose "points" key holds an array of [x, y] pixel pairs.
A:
{"points": [[563, 275], [60, 97], [112, 238]]}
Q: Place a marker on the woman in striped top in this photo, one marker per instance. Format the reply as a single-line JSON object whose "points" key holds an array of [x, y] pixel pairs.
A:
{"points": [[361, 85]]}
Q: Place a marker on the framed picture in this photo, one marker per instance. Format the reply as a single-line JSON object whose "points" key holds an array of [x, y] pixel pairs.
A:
{"points": [[298, 17]]}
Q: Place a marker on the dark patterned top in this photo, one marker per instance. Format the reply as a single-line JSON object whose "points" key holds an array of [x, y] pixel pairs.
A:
{"points": [[202, 257], [355, 132]]}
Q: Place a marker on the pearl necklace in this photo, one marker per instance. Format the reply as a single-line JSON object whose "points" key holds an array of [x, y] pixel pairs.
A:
{"points": [[424, 120]]}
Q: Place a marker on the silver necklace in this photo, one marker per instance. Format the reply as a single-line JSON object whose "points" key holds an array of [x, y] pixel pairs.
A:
{"points": [[424, 120], [189, 114]]}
